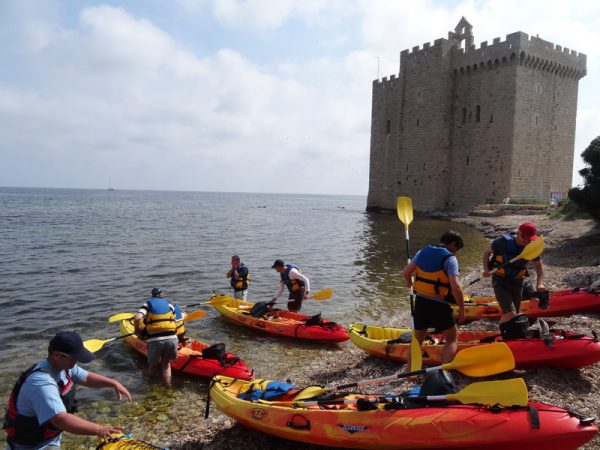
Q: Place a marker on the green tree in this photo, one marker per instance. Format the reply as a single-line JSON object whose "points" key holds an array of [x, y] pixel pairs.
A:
{"points": [[588, 197]]}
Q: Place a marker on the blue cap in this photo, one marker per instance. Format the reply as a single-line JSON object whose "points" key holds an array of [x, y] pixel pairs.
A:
{"points": [[70, 343]]}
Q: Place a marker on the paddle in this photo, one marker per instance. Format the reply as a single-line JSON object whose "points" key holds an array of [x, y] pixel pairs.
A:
{"points": [[93, 345], [479, 361], [324, 294], [507, 393], [126, 316], [531, 251], [404, 209]]}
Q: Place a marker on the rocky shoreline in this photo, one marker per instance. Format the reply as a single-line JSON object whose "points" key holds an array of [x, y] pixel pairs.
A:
{"points": [[571, 258]]}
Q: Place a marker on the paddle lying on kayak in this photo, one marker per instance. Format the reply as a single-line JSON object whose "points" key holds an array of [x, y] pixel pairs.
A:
{"points": [[324, 294], [126, 316], [480, 361], [507, 393], [93, 345], [531, 251], [404, 209], [474, 362]]}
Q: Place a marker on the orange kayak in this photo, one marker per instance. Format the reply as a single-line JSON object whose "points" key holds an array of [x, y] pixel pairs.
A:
{"points": [[567, 350], [562, 303], [399, 424], [189, 358], [278, 321]]}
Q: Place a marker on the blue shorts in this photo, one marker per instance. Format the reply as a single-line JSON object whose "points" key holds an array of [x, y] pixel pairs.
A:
{"points": [[165, 348]]}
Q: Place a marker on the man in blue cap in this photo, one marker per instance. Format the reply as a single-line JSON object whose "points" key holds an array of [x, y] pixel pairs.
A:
{"points": [[156, 322], [42, 403]]}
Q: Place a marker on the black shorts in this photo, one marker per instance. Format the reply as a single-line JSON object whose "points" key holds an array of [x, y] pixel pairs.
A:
{"points": [[432, 314], [296, 298]]}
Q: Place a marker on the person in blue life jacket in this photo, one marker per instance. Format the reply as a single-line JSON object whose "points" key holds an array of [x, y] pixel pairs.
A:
{"points": [[156, 322], [297, 283], [42, 403], [508, 281], [437, 284], [239, 278]]}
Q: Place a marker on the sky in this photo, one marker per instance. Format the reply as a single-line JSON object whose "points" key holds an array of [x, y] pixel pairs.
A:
{"points": [[230, 95]]}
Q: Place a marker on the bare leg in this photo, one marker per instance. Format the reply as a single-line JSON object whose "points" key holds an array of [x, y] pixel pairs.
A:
{"points": [[165, 365], [451, 345]]}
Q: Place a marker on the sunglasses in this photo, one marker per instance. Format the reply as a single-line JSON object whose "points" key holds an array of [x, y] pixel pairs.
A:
{"points": [[65, 355]]}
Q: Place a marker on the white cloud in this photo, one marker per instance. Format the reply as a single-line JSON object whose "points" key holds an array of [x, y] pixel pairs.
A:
{"points": [[117, 91]]}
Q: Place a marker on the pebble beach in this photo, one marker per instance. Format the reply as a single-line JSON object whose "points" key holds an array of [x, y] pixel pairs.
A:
{"points": [[571, 258]]}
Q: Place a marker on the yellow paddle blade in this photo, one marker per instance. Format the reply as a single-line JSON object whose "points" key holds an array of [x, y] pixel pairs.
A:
{"points": [[533, 249], [93, 345], [309, 392], [405, 210], [194, 316], [325, 294], [217, 299], [121, 316], [416, 357], [505, 392], [483, 360]]}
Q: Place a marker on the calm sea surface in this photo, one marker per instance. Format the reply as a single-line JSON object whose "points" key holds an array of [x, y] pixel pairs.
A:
{"points": [[71, 258]]}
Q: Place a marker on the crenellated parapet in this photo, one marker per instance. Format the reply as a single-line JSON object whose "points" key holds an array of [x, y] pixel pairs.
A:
{"points": [[439, 47], [519, 48]]}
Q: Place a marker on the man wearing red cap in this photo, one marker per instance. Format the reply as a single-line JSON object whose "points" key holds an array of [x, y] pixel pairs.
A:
{"points": [[508, 281]]}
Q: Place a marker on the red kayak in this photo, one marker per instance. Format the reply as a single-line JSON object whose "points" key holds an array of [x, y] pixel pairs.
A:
{"points": [[396, 424], [190, 360], [562, 303], [278, 321], [565, 349]]}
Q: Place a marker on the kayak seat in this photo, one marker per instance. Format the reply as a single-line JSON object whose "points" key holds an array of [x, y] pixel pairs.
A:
{"points": [[489, 339], [188, 351]]}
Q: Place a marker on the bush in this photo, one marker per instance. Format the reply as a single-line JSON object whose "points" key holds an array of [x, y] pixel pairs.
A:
{"points": [[588, 197], [568, 209]]}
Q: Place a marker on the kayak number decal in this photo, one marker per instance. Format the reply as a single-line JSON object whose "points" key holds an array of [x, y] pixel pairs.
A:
{"points": [[258, 413]]}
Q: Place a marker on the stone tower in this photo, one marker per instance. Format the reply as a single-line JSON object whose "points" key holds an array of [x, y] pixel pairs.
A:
{"points": [[460, 125]]}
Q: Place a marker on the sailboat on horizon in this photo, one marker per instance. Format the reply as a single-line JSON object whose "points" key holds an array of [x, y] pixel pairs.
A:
{"points": [[110, 188]]}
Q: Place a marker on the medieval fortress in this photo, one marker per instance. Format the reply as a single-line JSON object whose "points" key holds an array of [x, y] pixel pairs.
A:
{"points": [[461, 126]]}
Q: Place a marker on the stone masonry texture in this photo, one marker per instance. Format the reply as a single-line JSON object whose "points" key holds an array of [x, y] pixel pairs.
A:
{"points": [[462, 125]]}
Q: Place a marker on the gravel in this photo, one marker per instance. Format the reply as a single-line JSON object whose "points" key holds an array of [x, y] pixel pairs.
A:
{"points": [[571, 258]]}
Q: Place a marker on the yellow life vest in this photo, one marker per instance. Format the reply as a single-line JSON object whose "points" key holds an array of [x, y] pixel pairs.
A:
{"points": [[180, 327], [160, 319], [431, 280], [432, 284]]}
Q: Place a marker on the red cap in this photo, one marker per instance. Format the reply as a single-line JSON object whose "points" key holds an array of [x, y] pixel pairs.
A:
{"points": [[528, 230]]}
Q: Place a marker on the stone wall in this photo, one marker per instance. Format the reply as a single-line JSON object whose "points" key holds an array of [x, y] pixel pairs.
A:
{"points": [[463, 126]]}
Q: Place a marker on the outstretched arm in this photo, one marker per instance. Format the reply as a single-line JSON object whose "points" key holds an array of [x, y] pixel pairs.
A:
{"points": [[77, 425], [95, 380]]}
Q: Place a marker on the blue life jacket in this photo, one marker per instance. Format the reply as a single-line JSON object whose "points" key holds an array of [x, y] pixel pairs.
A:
{"points": [[506, 248], [292, 285], [241, 284]]}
